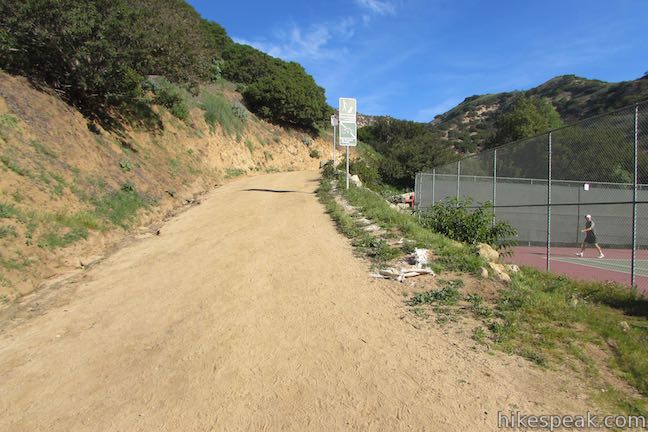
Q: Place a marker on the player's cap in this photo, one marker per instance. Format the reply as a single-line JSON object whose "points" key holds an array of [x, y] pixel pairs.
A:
{"points": [[588, 217]]}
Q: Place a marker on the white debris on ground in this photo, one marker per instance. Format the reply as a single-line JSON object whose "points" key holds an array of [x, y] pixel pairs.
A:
{"points": [[420, 257], [400, 275]]}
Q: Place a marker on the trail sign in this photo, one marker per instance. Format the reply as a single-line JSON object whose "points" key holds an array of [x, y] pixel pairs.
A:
{"points": [[348, 127], [348, 134]]}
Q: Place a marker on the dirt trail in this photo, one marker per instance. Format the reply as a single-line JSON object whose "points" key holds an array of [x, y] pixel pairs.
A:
{"points": [[250, 312]]}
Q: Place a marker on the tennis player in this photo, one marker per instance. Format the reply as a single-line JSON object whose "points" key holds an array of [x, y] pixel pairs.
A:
{"points": [[590, 237]]}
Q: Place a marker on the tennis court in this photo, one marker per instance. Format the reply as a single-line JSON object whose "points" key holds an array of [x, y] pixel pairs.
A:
{"points": [[616, 265]]}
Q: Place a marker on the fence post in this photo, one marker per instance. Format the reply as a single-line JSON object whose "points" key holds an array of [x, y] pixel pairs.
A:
{"points": [[417, 180], [433, 184], [458, 176], [549, 203], [634, 197], [494, 183]]}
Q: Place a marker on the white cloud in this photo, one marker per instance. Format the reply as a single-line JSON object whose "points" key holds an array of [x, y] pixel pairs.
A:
{"points": [[380, 7], [312, 43]]}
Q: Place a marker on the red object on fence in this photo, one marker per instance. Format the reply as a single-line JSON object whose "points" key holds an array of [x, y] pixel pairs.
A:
{"points": [[410, 200]]}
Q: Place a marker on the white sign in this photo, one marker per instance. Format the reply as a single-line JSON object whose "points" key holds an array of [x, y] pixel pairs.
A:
{"points": [[586, 186], [348, 126], [348, 109], [334, 121]]}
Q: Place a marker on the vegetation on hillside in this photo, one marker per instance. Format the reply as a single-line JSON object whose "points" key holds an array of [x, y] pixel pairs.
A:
{"points": [[526, 117], [597, 330], [472, 122], [405, 148], [97, 54]]}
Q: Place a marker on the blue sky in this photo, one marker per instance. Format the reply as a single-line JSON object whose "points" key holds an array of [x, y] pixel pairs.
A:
{"points": [[413, 59]]}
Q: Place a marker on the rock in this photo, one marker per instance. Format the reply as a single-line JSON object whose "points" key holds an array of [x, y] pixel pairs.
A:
{"points": [[500, 272], [504, 277], [484, 273], [355, 180], [85, 262], [512, 268], [487, 252], [574, 301], [624, 326]]}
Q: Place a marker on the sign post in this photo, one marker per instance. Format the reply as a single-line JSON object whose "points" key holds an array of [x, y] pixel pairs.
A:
{"points": [[334, 123], [348, 128]]}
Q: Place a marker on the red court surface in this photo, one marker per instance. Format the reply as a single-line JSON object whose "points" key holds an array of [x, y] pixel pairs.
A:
{"points": [[614, 267]]}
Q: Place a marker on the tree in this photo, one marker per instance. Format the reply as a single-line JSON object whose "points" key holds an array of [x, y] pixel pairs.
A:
{"points": [[527, 117], [244, 64], [289, 95]]}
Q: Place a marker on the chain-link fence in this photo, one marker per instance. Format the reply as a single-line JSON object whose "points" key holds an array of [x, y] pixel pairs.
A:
{"points": [[545, 186]]}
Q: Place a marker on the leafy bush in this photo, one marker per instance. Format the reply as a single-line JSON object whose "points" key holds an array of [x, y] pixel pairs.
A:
{"points": [[172, 97], [315, 154], [96, 52], [239, 110], [460, 220], [289, 96], [328, 172], [367, 170]]}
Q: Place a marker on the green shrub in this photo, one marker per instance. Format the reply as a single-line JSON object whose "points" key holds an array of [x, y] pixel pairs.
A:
{"points": [[218, 110], [54, 239], [239, 110], [234, 172], [288, 96], [315, 154], [367, 171], [8, 231], [8, 211], [125, 165], [171, 97], [459, 220], [120, 207]]}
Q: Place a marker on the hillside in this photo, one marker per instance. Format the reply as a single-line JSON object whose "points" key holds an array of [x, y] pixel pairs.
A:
{"points": [[114, 114], [471, 123], [70, 189]]}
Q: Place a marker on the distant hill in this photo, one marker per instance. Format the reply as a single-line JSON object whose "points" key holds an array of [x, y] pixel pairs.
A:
{"points": [[471, 123]]}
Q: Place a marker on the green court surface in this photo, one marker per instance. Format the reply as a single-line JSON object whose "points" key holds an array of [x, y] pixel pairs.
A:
{"points": [[613, 264]]}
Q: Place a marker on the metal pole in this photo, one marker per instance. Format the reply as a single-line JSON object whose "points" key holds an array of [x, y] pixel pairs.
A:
{"points": [[417, 185], [634, 197], [433, 184], [578, 209], [458, 174], [494, 183], [334, 134], [347, 167], [549, 204]]}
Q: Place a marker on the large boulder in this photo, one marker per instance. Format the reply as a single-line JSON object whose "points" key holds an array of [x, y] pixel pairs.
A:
{"points": [[487, 252]]}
